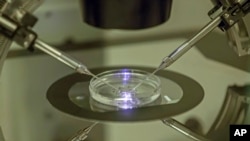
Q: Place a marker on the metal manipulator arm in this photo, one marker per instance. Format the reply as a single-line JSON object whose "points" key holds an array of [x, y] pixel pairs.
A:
{"points": [[224, 17], [236, 26], [17, 27]]}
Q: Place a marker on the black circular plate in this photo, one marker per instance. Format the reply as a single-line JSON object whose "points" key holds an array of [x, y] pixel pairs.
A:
{"points": [[58, 96]]}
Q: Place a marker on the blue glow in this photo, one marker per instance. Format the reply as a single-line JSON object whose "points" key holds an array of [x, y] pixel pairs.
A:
{"points": [[127, 95], [126, 75], [128, 100]]}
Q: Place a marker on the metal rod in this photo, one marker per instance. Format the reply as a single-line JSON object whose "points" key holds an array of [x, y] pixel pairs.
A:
{"points": [[82, 134], [68, 60], [183, 48], [7, 24], [62, 57], [183, 129]]}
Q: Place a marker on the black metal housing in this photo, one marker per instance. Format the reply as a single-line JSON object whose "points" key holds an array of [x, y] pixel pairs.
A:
{"points": [[125, 14]]}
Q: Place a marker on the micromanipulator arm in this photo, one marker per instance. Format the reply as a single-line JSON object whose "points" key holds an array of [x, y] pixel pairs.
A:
{"points": [[225, 19]]}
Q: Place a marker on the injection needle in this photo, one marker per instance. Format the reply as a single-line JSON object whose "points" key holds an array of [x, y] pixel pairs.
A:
{"points": [[68, 60], [82, 134], [183, 48]]}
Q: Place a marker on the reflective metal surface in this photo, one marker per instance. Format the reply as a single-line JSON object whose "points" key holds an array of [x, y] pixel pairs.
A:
{"points": [[235, 110], [238, 33], [58, 96], [187, 45], [176, 125], [238, 37]]}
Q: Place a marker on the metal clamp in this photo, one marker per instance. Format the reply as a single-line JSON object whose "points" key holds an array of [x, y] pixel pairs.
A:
{"points": [[234, 23], [230, 15], [25, 38]]}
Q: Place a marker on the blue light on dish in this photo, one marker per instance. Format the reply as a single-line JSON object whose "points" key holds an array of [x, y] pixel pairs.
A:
{"points": [[126, 75], [127, 100]]}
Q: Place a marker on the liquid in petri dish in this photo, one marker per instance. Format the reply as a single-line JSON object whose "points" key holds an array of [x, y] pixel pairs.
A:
{"points": [[125, 96]]}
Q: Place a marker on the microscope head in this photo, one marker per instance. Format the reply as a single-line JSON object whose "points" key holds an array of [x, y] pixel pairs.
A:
{"points": [[125, 14]]}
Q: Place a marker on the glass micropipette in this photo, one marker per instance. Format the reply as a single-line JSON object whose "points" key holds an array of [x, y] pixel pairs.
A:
{"points": [[82, 134], [68, 60], [142, 81], [183, 48]]}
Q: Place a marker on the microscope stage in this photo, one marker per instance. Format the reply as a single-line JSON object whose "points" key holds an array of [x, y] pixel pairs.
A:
{"points": [[179, 94]]}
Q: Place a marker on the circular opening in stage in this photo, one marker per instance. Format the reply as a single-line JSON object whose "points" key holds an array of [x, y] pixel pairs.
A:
{"points": [[125, 96]]}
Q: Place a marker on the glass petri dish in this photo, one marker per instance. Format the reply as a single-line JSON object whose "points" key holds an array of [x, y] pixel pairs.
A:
{"points": [[125, 96]]}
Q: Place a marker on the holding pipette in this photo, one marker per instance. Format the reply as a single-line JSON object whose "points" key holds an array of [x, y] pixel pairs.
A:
{"points": [[182, 49]]}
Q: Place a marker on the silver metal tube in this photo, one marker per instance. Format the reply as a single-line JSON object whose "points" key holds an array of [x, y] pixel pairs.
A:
{"points": [[7, 24], [82, 134], [183, 48], [66, 59], [182, 129], [62, 57]]}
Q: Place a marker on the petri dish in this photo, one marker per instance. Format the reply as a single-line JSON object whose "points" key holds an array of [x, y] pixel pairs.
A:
{"points": [[125, 97]]}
